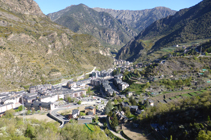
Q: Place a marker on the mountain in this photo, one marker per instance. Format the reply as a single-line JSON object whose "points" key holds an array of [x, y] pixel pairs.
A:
{"points": [[139, 19], [35, 50], [103, 26], [186, 25]]}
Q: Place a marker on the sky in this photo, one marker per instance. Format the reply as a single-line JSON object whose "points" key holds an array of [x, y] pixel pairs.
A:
{"points": [[50, 6]]}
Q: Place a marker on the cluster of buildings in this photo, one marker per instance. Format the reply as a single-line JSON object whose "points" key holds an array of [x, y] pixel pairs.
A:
{"points": [[119, 83], [40, 97], [10, 100], [121, 63], [102, 74]]}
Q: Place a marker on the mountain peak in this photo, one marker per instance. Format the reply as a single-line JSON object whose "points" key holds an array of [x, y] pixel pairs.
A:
{"points": [[29, 7]]}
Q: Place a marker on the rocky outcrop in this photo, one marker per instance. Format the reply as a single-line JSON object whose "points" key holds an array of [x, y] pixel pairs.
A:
{"points": [[21, 6]]}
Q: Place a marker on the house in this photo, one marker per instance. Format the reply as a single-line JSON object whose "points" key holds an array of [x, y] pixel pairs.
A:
{"points": [[129, 94], [95, 74], [32, 89], [151, 102], [119, 76], [117, 81], [122, 96], [90, 109], [125, 104], [6, 107], [139, 111], [133, 108], [75, 113]]}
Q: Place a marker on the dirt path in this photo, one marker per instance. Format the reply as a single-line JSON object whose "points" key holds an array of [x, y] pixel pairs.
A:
{"points": [[38, 117]]}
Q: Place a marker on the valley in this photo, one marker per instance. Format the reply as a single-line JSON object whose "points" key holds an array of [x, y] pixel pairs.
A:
{"points": [[95, 73]]}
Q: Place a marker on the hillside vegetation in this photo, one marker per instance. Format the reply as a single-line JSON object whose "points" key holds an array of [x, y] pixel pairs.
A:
{"points": [[16, 129], [34, 50]]}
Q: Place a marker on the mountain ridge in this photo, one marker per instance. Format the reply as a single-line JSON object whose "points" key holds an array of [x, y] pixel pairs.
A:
{"points": [[139, 19], [186, 25], [82, 19]]}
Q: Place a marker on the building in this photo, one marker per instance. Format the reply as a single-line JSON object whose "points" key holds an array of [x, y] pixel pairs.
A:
{"points": [[71, 84], [90, 110], [133, 108], [74, 94], [123, 86], [39, 106], [129, 94], [48, 98], [75, 113], [96, 82]]}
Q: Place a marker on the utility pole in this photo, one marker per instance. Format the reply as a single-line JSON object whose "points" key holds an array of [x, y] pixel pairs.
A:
{"points": [[23, 108], [201, 51]]}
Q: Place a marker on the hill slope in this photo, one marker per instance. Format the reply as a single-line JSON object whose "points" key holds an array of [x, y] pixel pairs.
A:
{"points": [[34, 50], [139, 19], [186, 25], [82, 19]]}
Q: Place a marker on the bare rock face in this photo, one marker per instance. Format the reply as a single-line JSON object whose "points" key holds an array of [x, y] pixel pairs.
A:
{"points": [[21, 6]]}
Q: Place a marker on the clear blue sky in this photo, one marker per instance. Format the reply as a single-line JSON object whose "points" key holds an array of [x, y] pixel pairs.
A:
{"points": [[50, 6]]}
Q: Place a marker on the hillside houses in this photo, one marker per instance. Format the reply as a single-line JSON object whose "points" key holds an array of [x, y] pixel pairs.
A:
{"points": [[10, 100], [120, 84]]}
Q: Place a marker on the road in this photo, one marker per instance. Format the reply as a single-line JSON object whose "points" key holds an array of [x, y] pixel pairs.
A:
{"points": [[60, 118], [63, 83]]}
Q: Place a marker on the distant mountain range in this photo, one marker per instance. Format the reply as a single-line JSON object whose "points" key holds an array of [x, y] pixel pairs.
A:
{"points": [[139, 19], [111, 27], [35, 50], [187, 24]]}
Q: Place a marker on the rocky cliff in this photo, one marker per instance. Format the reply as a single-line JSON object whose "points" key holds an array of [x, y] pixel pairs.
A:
{"points": [[35, 50]]}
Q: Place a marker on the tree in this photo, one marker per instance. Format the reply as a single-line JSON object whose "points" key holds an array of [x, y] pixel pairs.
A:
{"points": [[96, 118], [206, 53], [82, 114], [9, 113], [120, 108], [115, 101], [127, 111], [69, 99], [89, 90], [79, 102], [28, 112], [114, 122]]}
